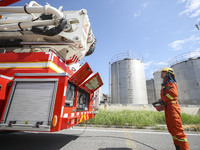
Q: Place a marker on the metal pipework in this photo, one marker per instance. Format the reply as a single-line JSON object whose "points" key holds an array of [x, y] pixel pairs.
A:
{"points": [[47, 9]]}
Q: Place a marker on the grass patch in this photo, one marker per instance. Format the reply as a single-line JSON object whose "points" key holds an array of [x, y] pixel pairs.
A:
{"points": [[159, 128], [190, 119], [139, 119], [195, 127]]}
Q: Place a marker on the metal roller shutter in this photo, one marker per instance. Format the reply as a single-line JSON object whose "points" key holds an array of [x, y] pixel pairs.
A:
{"points": [[32, 102]]}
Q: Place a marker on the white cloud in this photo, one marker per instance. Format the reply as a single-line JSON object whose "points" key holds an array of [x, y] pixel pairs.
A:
{"points": [[153, 66], [137, 14], [161, 64], [145, 4], [139, 11], [197, 13], [192, 8], [195, 53], [178, 44], [182, 1], [147, 64], [197, 49], [198, 20]]}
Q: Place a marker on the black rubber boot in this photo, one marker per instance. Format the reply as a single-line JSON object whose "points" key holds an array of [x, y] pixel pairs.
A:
{"points": [[177, 147]]}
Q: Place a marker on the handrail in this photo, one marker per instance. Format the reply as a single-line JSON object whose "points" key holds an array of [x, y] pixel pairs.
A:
{"points": [[127, 55], [184, 57]]}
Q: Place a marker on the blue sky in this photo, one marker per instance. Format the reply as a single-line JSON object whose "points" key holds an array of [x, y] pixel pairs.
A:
{"points": [[157, 30]]}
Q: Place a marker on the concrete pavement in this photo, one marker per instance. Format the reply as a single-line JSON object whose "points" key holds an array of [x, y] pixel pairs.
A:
{"points": [[81, 138]]}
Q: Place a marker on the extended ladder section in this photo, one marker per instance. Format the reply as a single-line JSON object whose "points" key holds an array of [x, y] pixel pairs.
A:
{"points": [[33, 25]]}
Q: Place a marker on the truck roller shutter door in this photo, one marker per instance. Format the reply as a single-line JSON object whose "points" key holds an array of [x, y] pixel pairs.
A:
{"points": [[31, 102]]}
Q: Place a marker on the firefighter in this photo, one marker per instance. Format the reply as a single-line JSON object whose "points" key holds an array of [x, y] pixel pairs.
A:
{"points": [[169, 95]]}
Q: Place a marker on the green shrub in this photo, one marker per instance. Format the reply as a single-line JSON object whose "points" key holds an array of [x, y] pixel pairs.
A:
{"points": [[190, 119], [138, 119]]}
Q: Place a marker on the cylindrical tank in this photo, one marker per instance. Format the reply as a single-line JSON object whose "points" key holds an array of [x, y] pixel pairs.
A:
{"points": [[151, 91], [98, 96], [128, 84], [157, 84], [188, 80]]}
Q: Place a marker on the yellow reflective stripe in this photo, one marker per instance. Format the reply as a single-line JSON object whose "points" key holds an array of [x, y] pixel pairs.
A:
{"points": [[171, 102], [169, 96], [181, 140], [81, 118], [174, 138]]}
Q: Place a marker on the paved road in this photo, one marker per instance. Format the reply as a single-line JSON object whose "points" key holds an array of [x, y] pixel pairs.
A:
{"points": [[94, 139]]}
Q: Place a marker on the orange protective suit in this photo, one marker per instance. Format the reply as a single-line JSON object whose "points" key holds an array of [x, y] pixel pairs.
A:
{"points": [[169, 94]]}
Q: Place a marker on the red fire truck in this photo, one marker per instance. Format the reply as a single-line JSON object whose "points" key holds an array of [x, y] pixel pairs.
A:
{"points": [[42, 86]]}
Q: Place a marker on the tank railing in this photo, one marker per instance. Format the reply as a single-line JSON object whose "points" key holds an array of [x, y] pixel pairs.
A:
{"points": [[123, 56], [184, 57]]}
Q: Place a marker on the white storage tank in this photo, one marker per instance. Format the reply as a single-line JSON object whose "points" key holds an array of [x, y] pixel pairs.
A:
{"points": [[188, 79], [157, 84], [128, 84], [98, 95], [151, 91]]}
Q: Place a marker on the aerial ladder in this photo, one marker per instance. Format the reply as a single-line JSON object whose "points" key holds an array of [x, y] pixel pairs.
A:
{"points": [[42, 85]]}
